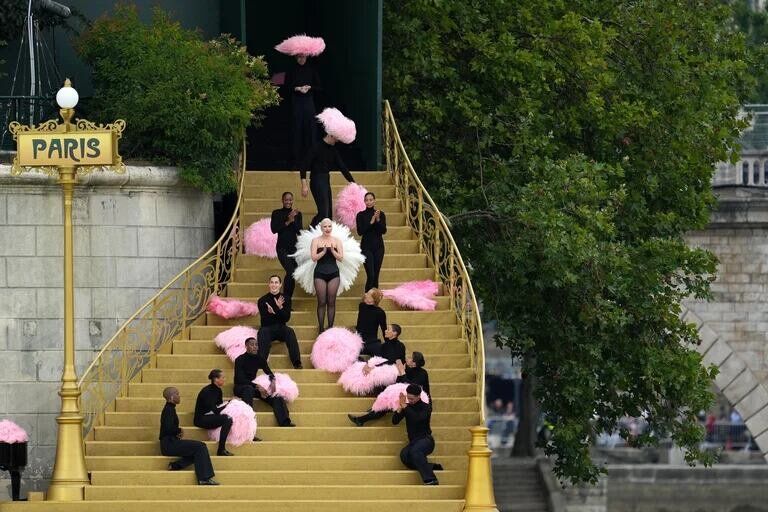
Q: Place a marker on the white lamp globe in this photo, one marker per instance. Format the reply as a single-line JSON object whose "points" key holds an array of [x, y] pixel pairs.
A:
{"points": [[67, 97]]}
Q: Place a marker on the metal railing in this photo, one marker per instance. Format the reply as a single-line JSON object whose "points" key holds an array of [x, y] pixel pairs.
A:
{"points": [[26, 110], [164, 317], [436, 241]]}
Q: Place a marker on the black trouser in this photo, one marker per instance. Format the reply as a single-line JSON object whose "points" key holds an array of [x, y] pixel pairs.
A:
{"points": [[320, 185], [267, 335], [414, 456], [248, 392], [15, 481], [191, 452], [373, 260], [371, 348], [304, 126], [211, 421], [289, 264], [372, 415]]}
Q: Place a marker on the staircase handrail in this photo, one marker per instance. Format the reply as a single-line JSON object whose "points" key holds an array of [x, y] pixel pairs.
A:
{"points": [[161, 319], [436, 240]]}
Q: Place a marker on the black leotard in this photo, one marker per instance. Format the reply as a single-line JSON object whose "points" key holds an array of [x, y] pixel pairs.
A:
{"points": [[326, 268]]}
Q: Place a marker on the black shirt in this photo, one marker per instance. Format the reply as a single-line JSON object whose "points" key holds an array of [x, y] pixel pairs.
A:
{"points": [[321, 159], [286, 234], [416, 420], [369, 319], [169, 422], [303, 75], [392, 350], [208, 400], [371, 233], [416, 376], [247, 366], [280, 316]]}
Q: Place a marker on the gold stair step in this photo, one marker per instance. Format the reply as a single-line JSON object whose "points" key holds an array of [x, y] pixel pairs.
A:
{"points": [[307, 390], [391, 260], [270, 477], [349, 303], [242, 289], [281, 448], [303, 332], [178, 376], [299, 317], [291, 178], [394, 433], [314, 419], [387, 275], [382, 191], [338, 405], [427, 347], [279, 361], [393, 218], [307, 205]]}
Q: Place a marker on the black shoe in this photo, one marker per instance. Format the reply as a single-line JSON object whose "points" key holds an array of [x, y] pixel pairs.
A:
{"points": [[437, 467], [298, 367], [257, 439], [209, 481], [173, 467], [356, 420], [289, 424], [224, 453], [432, 482]]}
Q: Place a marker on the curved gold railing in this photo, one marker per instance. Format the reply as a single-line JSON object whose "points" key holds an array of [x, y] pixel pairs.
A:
{"points": [[161, 319], [436, 241]]}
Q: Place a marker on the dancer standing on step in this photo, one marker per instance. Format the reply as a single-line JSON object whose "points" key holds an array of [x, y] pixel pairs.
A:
{"points": [[287, 223], [417, 415], [322, 158], [326, 250], [208, 407], [302, 81], [275, 311], [371, 318], [172, 443], [246, 368], [372, 225], [412, 372]]}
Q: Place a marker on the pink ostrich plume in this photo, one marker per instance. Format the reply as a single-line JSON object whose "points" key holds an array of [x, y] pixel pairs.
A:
{"points": [[389, 399], [11, 433], [285, 387], [337, 124], [260, 240], [232, 341], [231, 308], [336, 349], [243, 424], [349, 202], [302, 45], [414, 295], [354, 381]]}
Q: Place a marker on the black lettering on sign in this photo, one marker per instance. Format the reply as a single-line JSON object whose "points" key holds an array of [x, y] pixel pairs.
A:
{"points": [[70, 145], [37, 145], [95, 150], [55, 147]]}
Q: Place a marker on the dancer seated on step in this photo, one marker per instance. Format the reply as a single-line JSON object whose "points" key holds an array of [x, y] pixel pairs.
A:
{"points": [[326, 250], [275, 311], [246, 368], [412, 372], [208, 408], [371, 318], [172, 443], [417, 416], [287, 223], [393, 350]]}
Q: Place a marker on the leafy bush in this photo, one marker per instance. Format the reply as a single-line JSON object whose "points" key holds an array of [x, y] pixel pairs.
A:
{"points": [[186, 102]]}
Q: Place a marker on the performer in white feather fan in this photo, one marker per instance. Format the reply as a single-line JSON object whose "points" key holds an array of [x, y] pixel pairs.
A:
{"points": [[328, 260]]}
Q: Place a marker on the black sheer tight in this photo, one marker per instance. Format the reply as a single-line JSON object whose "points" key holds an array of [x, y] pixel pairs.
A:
{"points": [[326, 300]]}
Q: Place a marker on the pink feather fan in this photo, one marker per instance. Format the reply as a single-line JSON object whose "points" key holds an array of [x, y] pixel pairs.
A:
{"points": [[260, 240], [231, 308], [337, 124], [354, 381], [349, 202], [232, 341], [389, 399], [285, 387], [243, 424], [414, 295], [302, 45], [11, 433], [336, 349]]}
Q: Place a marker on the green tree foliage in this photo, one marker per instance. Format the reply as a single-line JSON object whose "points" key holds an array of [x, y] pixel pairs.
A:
{"points": [[186, 102], [572, 145], [754, 25]]}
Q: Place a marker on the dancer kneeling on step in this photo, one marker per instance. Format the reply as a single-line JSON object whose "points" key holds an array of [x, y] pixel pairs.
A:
{"points": [[412, 372], [246, 368], [172, 443], [417, 416], [208, 407]]}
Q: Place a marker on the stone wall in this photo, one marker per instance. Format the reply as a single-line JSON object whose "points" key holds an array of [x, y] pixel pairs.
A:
{"points": [[133, 233]]}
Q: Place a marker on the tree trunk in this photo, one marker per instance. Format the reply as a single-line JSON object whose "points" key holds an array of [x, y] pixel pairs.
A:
{"points": [[525, 438]]}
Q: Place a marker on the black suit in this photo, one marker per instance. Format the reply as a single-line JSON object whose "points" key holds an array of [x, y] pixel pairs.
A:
{"points": [[208, 413], [286, 244], [191, 452], [420, 441], [372, 244], [246, 368], [273, 327]]}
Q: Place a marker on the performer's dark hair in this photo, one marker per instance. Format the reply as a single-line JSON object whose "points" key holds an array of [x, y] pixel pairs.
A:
{"points": [[285, 194], [369, 194], [418, 358], [277, 276], [215, 374], [249, 339], [397, 329], [413, 389]]}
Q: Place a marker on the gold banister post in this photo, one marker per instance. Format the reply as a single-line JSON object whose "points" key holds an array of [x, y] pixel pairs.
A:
{"points": [[479, 491], [217, 269]]}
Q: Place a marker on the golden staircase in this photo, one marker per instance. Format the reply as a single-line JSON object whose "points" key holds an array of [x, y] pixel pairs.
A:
{"points": [[326, 463]]}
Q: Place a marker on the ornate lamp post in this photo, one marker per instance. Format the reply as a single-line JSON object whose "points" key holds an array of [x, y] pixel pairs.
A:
{"points": [[68, 151]]}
